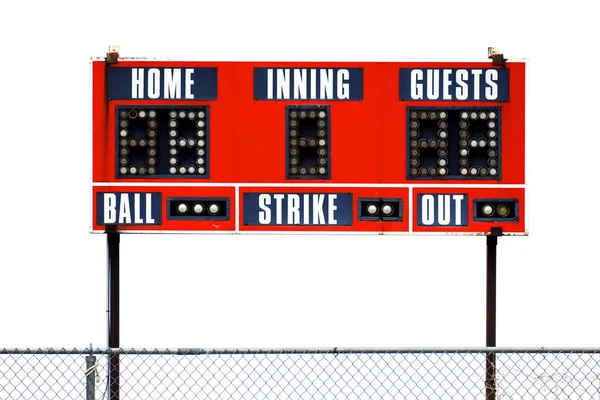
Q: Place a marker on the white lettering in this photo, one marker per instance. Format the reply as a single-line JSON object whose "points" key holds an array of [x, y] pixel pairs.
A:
{"points": [[149, 218], [264, 216], [459, 84], [154, 83], [462, 91], [306, 213], [326, 87], [270, 83], [458, 198], [427, 209], [447, 82], [491, 92], [331, 208], [476, 76], [343, 87], [300, 84], [137, 208], [443, 209], [124, 210], [433, 84], [305, 84], [300, 209], [110, 208], [137, 83], [416, 85], [293, 212], [313, 84], [172, 84], [318, 212], [189, 82], [278, 208], [283, 84]]}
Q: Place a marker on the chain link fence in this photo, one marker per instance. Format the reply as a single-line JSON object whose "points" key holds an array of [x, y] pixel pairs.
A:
{"points": [[485, 373]]}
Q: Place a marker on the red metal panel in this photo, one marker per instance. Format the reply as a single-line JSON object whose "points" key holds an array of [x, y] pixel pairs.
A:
{"points": [[357, 224], [508, 227], [170, 225], [368, 141]]}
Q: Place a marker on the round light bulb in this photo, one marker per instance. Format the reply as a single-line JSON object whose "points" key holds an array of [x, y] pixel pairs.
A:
{"points": [[487, 210], [213, 208], [372, 209], [503, 210], [387, 209]]}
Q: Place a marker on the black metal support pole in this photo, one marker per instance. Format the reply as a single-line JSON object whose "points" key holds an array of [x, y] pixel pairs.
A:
{"points": [[490, 325], [113, 242]]}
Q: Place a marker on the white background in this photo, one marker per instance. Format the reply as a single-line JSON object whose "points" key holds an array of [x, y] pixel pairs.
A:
{"points": [[293, 291]]}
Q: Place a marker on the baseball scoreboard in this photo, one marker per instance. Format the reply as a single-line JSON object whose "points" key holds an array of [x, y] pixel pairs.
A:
{"points": [[313, 147]]}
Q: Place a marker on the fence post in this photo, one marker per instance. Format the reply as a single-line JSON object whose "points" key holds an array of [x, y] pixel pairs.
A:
{"points": [[90, 371]]}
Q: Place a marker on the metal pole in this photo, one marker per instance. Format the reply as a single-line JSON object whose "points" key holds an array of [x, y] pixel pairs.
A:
{"points": [[90, 384], [113, 242], [490, 331]]}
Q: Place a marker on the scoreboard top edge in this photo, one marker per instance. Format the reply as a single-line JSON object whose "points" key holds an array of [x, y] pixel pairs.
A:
{"points": [[266, 63]]}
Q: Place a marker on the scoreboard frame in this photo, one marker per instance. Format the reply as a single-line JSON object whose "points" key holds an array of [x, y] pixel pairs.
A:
{"points": [[366, 150]]}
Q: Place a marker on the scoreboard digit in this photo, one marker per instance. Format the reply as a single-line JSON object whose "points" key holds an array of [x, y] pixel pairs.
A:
{"points": [[308, 142], [162, 142], [453, 143]]}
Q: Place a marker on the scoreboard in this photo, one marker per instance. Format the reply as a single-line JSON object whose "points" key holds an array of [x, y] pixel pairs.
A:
{"points": [[312, 147]]}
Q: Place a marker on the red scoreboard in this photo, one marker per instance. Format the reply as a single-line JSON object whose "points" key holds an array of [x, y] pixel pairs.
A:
{"points": [[288, 147]]}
